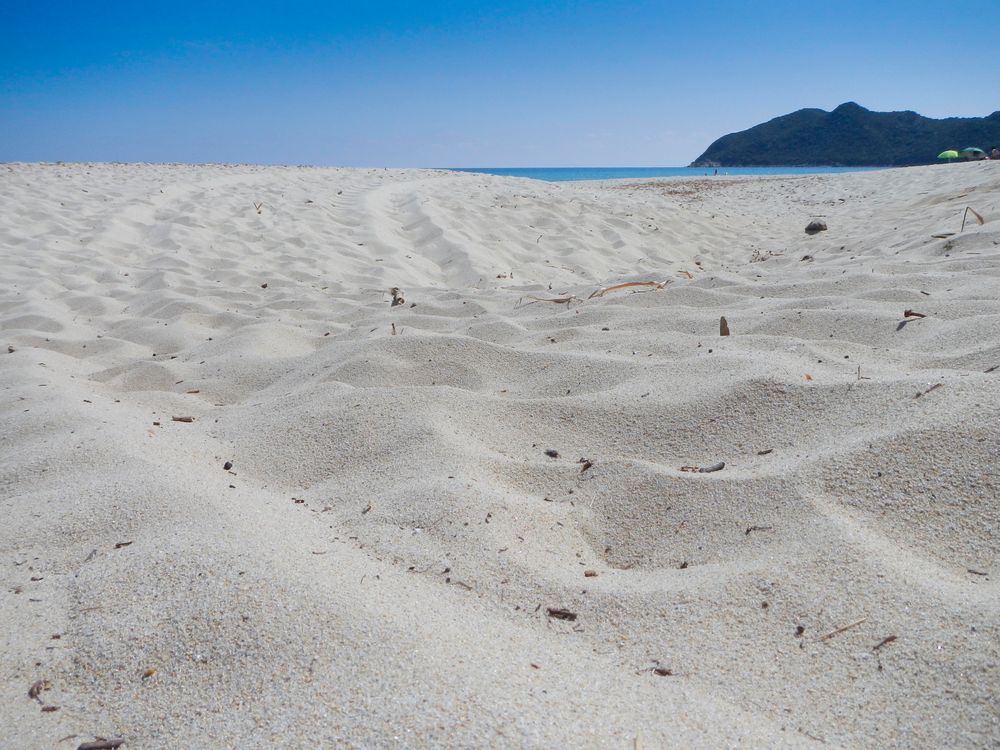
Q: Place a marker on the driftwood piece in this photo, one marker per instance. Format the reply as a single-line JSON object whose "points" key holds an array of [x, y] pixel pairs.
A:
{"points": [[723, 326]]}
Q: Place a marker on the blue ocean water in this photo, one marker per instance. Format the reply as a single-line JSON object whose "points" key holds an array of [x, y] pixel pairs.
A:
{"points": [[562, 174]]}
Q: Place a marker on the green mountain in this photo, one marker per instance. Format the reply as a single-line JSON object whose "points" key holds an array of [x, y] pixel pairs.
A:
{"points": [[850, 136]]}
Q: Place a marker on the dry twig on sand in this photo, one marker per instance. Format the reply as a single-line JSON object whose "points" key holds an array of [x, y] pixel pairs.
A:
{"points": [[564, 300], [605, 289], [884, 642], [840, 630], [966, 214]]}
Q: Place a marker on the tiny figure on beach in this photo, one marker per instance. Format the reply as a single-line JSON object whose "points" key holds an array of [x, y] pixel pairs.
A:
{"points": [[995, 153]]}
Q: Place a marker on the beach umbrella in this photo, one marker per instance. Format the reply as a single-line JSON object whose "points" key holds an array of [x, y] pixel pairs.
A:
{"points": [[949, 154], [973, 153]]}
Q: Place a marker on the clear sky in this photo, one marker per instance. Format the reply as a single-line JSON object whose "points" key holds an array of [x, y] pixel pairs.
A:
{"points": [[370, 83]]}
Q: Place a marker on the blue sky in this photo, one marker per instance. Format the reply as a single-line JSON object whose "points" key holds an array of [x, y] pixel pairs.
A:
{"points": [[465, 83]]}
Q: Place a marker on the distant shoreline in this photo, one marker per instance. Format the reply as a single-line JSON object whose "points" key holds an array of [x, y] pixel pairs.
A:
{"points": [[574, 174]]}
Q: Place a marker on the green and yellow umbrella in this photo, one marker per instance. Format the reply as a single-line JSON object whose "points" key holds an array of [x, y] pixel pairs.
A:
{"points": [[949, 154]]}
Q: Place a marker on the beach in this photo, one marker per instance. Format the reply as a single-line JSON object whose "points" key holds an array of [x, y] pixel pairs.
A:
{"points": [[305, 457]]}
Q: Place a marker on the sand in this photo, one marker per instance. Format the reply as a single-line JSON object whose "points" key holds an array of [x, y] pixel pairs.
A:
{"points": [[385, 561]]}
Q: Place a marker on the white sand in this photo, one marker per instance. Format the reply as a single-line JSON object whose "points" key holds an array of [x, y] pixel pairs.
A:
{"points": [[404, 602]]}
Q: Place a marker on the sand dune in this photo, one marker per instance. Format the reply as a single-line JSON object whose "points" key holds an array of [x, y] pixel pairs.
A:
{"points": [[381, 565]]}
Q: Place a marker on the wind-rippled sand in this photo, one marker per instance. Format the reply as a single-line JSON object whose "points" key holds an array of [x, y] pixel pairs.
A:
{"points": [[381, 564]]}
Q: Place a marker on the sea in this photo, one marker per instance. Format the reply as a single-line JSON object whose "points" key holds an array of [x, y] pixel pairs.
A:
{"points": [[564, 174]]}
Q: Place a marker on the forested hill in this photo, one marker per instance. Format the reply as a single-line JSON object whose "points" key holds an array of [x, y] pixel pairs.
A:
{"points": [[850, 136]]}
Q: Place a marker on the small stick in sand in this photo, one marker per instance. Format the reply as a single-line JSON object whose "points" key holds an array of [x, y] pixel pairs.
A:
{"points": [[258, 206], [884, 642], [932, 388], [183, 419], [913, 314], [838, 631]]}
